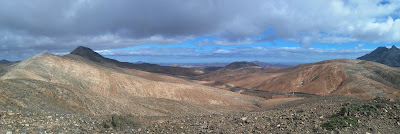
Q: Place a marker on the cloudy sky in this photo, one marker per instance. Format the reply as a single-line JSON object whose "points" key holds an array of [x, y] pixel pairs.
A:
{"points": [[196, 31]]}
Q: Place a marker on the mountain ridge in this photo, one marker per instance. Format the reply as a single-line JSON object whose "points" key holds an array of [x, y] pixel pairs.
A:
{"points": [[359, 78], [240, 64], [89, 54], [73, 83], [4, 61], [383, 55]]}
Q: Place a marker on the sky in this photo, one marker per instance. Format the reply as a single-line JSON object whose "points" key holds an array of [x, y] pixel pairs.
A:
{"points": [[200, 31]]}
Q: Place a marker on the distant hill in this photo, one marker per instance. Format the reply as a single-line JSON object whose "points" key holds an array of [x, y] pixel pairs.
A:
{"points": [[234, 70], [263, 64], [93, 56], [237, 65], [205, 65], [383, 55], [220, 65], [4, 61]]}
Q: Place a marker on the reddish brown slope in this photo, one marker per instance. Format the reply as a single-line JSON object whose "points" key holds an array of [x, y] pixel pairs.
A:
{"points": [[341, 76]]}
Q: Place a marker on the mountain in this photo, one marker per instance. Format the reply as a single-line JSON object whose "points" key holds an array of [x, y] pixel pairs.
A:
{"points": [[94, 56], [237, 65], [233, 70], [74, 84], [333, 77], [206, 65], [383, 55], [5, 61], [263, 64]]}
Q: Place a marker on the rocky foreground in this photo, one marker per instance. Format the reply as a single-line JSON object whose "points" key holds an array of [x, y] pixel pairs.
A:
{"points": [[333, 114]]}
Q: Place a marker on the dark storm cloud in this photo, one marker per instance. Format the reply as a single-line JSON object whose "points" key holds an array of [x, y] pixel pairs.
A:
{"points": [[50, 25], [136, 19]]}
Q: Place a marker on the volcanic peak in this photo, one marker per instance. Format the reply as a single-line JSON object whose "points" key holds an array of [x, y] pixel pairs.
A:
{"points": [[383, 55], [4, 61]]}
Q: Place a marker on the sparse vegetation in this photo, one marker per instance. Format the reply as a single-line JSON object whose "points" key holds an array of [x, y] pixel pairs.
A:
{"points": [[345, 117], [366, 109], [120, 122], [340, 122]]}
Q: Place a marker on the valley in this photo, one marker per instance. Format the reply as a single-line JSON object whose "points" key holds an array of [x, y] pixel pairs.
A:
{"points": [[81, 91]]}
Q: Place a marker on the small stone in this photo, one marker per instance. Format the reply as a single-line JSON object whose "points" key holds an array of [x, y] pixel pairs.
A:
{"points": [[8, 132], [244, 118]]}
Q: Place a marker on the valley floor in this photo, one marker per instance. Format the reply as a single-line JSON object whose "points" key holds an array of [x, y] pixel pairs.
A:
{"points": [[301, 116]]}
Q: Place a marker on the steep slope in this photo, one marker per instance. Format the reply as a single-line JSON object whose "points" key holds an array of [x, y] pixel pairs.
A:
{"points": [[86, 86], [343, 77], [94, 56], [390, 57]]}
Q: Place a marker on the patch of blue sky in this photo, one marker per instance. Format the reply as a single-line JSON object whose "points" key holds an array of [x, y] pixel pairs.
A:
{"points": [[383, 2]]}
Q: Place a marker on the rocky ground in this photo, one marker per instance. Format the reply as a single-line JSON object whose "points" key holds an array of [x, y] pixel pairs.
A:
{"points": [[302, 116]]}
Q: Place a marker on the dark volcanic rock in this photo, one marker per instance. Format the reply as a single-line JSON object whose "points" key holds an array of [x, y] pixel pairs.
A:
{"points": [[383, 55], [91, 55], [237, 65]]}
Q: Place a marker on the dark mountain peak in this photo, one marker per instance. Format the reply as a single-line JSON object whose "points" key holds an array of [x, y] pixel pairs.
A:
{"points": [[4, 61], [88, 54], [381, 48], [383, 55], [236, 65], [91, 55], [84, 51], [394, 48], [376, 53]]}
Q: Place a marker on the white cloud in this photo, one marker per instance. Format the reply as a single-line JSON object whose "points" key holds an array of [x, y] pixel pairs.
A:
{"points": [[275, 55], [222, 51]]}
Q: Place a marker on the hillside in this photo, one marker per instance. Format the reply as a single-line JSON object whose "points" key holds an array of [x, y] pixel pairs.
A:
{"points": [[71, 84], [263, 64], [233, 70], [94, 56], [72, 94], [383, 55], [237, 65], [333, 77]]}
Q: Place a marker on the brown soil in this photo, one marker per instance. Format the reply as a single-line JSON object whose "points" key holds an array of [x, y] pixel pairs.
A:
{"points": [[339, 77]]}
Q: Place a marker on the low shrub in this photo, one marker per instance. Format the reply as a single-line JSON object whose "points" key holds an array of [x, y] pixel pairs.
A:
{"points": [[120, 122], [340, 122], [366, 109], [345, 117]]}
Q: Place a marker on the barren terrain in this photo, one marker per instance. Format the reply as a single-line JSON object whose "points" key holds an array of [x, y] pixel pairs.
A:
{"points": [[74, 94], [334, 77]]}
